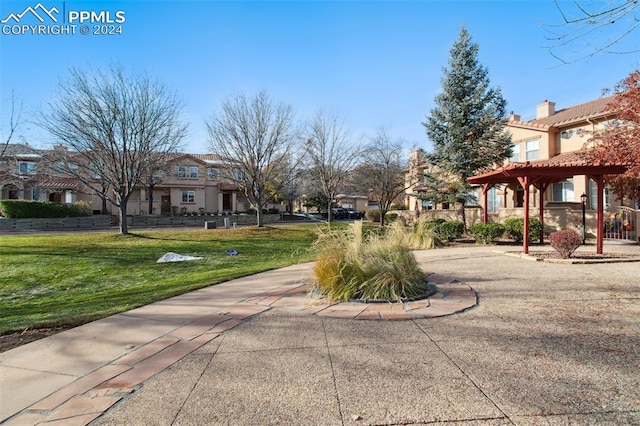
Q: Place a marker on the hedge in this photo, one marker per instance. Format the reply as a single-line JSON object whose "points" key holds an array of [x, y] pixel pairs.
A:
{"points": [[22, 209]]}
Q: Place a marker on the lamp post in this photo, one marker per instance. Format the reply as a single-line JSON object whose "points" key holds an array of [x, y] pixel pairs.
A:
{"points": [[583, 198]]}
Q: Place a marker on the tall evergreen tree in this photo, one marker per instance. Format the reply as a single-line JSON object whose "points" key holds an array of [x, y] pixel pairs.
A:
{"points": [[467, 124]]}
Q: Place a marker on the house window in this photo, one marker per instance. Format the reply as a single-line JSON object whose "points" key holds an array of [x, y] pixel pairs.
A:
{"points": [[473, 198], [27, 168], [182, 172], [532, 150], [492, 200], [193, 172], [213, 173], [239, 175], [188, 196], [36, 194], [563, 191], [593, 196], [427, 205], [515, 153], [68, 197]]}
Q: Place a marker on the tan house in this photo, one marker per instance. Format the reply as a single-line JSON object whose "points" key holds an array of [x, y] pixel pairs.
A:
{"points": [[24, 177], [551, 133], [190, 183]]}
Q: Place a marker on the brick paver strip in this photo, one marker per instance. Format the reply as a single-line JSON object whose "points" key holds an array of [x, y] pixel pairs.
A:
{"points": [[344, 310], [224, 326], [84, 405], [82, 420], [241, 311], [25, 419], [151, 366], [199, 326], [79, 387], [147, 350]]}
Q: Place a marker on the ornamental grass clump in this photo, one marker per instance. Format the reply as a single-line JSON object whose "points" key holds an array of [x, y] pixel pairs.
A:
{"points": [[423, 236], [565, 242], [375, 267]]}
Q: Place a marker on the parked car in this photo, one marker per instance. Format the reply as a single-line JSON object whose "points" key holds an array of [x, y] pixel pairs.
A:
{"points": [[352, 214]]}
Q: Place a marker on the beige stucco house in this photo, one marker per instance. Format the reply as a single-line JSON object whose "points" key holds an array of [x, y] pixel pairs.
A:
{"points": [[551, 133]]}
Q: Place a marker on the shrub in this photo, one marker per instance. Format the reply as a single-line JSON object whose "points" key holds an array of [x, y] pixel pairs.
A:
{"points": [[450, 230], [373, 215], [20, 209], [565, 242], [399, 207], [352, 266], [390, 217], [486, 233], [515, 228]]}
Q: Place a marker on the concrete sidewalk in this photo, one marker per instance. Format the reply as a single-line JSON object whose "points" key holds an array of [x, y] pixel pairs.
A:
{"points": [[547, 344]]}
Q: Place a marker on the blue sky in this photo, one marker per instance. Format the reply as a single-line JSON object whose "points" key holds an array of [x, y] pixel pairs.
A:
{"points": [[377, 63]]}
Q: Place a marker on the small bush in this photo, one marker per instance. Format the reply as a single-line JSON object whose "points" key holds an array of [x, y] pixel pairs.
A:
{"points": [[487, 233], [373, 215], [515, 228], [565, 242], [450, 230], [399, 207]]}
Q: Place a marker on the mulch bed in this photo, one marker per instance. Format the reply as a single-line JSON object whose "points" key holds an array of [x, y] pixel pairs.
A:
{"points": [[13, 340]]}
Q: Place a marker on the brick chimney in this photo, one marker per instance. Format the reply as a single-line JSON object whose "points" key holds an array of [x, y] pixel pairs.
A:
{"points": [[513, 117], [545, 109]]}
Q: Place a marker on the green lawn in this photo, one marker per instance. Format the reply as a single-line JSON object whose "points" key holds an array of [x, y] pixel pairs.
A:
{"points": [[69, 279]]}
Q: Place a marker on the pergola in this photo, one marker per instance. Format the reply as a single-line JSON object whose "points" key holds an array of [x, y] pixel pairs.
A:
{"points": [[541, 174]]}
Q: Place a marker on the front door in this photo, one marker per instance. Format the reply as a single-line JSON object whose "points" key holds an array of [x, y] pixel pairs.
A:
{"points": [[226, 201], [165, 205]]}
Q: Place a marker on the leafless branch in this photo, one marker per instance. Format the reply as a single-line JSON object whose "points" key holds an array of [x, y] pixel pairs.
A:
{"points": [[600, 25]]}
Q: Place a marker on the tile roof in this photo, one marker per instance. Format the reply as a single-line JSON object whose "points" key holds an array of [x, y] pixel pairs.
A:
{"points": [[59, 183], [588, 110], [553, 169]]}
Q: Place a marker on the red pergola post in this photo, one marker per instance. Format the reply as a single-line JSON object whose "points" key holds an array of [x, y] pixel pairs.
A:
{"points": [[599, 180], [485, 203], [542, 187], [525, 182]]}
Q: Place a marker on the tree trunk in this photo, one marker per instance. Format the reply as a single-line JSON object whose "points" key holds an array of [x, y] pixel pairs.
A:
{"points": [[259, 218], [124, 226], [382, 213], [150, 210], [464, 217], [329, 212]]}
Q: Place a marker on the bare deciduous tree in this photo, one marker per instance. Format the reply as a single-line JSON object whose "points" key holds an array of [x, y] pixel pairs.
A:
{"points": [[114, 125], [331, 155], [383, 173], [15, 119], [256, 139], [591, 27]]}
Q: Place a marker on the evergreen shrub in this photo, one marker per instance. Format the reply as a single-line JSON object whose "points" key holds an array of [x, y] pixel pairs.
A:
{"points": [[565, 242], [487, 233], [450, 230], [515, 228]]}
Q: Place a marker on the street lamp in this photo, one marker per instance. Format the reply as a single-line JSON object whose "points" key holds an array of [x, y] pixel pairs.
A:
{"points": [[583, 198]]}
